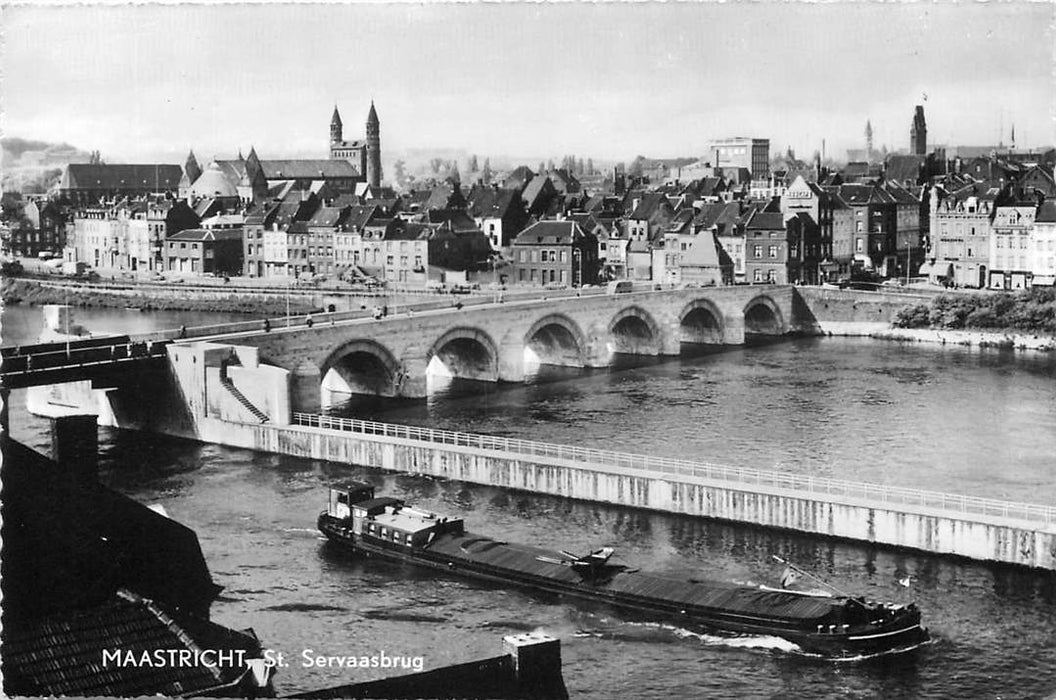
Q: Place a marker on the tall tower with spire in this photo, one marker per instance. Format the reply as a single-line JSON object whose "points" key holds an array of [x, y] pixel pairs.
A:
{"points": [[918, 133], [373, 148], [335, 127]]}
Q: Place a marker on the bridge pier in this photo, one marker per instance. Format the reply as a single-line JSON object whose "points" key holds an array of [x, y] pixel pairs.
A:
{"points": [[511, 362], [306, 387], [412, 382], [733, 330]]}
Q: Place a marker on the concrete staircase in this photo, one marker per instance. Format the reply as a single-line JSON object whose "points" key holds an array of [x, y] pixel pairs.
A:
{"points": [[241, 398]]}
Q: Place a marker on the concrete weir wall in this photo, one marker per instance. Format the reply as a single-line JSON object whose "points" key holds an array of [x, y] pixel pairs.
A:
{"points": [[1026, 540]]}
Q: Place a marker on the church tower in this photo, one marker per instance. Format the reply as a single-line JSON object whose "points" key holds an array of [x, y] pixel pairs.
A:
{"points": [[335, 127], [918, 134], [373, 148]]}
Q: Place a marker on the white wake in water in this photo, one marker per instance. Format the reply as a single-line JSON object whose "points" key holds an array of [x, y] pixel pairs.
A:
{"points": [[762, 641]]}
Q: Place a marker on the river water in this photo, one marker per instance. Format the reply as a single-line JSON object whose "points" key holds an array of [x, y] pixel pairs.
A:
{"points": [[951, 419]]}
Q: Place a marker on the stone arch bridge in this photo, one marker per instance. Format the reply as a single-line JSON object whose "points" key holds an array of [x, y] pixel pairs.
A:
{"points": [[494, 342]]}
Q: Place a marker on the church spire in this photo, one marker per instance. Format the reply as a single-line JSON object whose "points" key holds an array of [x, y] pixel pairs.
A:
{"points": [[335, 127]]}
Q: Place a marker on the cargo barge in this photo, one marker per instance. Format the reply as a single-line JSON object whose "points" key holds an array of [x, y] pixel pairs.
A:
{"points": [[837, 626]]}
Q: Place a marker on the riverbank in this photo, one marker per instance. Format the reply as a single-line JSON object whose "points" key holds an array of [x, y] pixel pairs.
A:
{"points": [[33, 292], [1010, 340]]}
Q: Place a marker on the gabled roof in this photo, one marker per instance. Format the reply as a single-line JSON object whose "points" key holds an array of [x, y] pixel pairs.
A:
{"points": [[766, 221], [361, 215], [329, 217], [706, 251], [144, 176], [410, 231], [858, 195], [456, 218], [491, 202], [904, 168], [307, 169], [650, 204], [1046, 213], [551, 233], [200, 234], [520, 177]]}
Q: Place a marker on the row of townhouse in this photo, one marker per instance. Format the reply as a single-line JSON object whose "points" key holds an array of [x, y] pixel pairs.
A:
{"points": [[127, 235], [989, 235]]}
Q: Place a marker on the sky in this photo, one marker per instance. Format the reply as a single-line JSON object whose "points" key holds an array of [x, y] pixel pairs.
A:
{"points": [[605, 80]]}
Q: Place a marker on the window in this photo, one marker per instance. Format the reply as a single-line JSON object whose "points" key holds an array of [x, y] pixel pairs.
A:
{"points": [[858, 227], [183, 246], [758, 251], [773, 251], [535, 256], [562, 276], [388, 260], [758, 275], [859, 245], [1000, 242], [771, 275], [793, 251], [564, 257], [533, 273]]}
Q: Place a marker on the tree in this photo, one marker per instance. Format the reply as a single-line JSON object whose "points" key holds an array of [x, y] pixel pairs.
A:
{"points": [[636, 167], [455, 175], [473, 163], [542, 168], [400, 168], [486, 175], [550, 165], [590, 166], [434, 165], [868, 139]]}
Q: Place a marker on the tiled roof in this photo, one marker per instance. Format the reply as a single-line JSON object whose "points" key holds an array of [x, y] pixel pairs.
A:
{"points": [[328, 216], [767, 221], [307, 169], [360, 216], [146, 176], [1046, 213], [62, 654], [550, 232], [409, 232]]}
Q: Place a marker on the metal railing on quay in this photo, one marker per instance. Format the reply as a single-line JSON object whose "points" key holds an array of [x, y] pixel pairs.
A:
{"points": [[809, 484]]}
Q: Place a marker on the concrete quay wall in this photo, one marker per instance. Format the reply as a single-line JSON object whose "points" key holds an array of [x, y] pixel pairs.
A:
{"points": [[979, 537]]}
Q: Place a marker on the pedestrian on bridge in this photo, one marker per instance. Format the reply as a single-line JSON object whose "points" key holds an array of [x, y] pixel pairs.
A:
{"points": [[267, 326], [308, 320]]}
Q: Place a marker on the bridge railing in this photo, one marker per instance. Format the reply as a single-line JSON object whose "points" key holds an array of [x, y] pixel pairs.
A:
{"points": [[893, 495], [53, 356]]}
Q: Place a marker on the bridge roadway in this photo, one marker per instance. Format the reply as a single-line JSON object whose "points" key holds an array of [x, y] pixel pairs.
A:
{"points": [[106, 361], [493, 342]]}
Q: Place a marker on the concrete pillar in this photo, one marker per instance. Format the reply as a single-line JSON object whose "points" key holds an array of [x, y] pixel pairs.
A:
{"points": [[306, 388], [75, 446], [536, 661]]}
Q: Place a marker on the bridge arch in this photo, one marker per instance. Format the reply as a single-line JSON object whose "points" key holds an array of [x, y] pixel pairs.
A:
{"points": [[466, 353], [762, 316], [701, 322], [634, 331], [361, 366], [555, 339]]}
